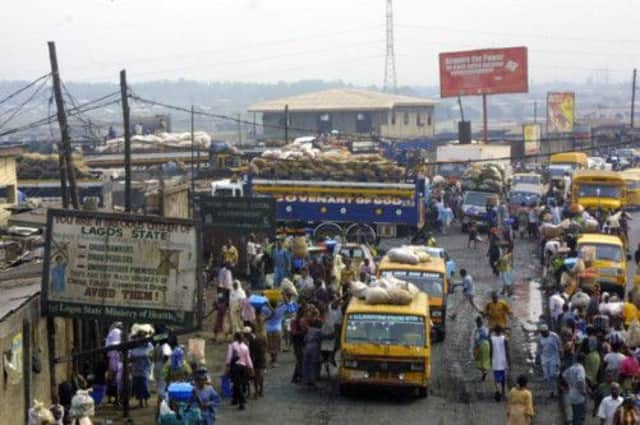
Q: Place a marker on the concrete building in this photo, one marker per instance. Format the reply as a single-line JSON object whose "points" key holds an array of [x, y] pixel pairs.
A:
{"points": [[8, 181], [348, 111], [25, 345]]}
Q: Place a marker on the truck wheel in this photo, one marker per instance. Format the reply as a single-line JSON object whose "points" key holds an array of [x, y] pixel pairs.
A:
{"points": [[343, 389], [423, 392], [361, 233]]}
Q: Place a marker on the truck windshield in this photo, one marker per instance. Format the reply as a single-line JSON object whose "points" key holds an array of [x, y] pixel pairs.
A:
{"points": [[525, 180], [528, 198], [476, 198], [606, 252], [451, 170], [223, 192], [431, 283], [593, 190], [388, 329], [557, 170]]}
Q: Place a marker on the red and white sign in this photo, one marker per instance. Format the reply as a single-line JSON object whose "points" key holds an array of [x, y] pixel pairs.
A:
{"points": [[486, 71]]}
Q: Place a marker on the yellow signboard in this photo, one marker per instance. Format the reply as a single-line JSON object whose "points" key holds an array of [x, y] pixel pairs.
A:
{"points": [[531, 134]]}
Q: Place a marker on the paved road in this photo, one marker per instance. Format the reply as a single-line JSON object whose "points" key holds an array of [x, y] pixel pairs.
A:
{"points": [[456, 396]]}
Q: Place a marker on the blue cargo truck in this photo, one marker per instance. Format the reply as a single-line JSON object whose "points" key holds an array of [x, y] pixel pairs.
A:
{"points": [[357, 211]]}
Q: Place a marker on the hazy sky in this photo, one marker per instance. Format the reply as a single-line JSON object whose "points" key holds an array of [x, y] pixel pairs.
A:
{"points": [[274, 40]]}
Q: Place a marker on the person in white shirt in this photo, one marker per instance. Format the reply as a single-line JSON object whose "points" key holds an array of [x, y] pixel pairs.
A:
{"points": [[609, 404], [236, 296], [500, 360], [556, 301], [305, 281]]}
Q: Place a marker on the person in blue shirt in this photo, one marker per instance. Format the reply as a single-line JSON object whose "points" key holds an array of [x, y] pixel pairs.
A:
{"points": [[206, 398], [282, 264], [273, 325]]}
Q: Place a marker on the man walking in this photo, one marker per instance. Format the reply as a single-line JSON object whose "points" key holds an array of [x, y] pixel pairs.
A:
{"points": [[497, 312], [548, 354], [500, 361], [468, 292], [609, 405], [575, 378]]}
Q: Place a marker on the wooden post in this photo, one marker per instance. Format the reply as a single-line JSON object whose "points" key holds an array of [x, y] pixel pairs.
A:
{"points": [[125, 371], [286, 124], [26, 368], [193, 166], [633, 97], [64, 128], [124, 95], [484, 119], [51, 345]]}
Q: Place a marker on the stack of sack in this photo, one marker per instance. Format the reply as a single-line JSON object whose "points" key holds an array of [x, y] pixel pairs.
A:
{"points": [[408, 255], [160, 141], [388, 290], [304, 162], [489, 177]]}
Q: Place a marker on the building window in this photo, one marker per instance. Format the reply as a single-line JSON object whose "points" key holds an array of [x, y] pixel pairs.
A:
{"points": [[406, 118], [393, 117], [419, 121], [429, 119]]}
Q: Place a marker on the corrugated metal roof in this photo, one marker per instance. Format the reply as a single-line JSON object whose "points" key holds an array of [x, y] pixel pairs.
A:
{"points": [[341, 100], [16, 292]]}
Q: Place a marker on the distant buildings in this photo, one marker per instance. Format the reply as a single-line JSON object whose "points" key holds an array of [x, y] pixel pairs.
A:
{"points": [[348, 111], [8, 181]]}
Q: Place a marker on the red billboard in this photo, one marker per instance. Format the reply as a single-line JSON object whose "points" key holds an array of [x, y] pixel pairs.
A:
{"points": [[486, 71]]}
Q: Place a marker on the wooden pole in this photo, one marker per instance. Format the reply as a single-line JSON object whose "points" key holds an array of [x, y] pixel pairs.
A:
{"points": [[64, 129], [124, 95], [286, 124], [633, 97], [193, 165], [484, 118], [125, 371], [51, 345], [26, 369]]}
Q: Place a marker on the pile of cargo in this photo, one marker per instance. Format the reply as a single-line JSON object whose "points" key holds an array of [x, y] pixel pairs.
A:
{"points": [[163, 141], [304, 162], [36, 166], [387, 290], [486, 177], [408, 255]]}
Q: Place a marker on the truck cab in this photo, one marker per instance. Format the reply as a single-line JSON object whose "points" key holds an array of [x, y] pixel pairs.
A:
{"points": [[227, 187], [474, 206]]}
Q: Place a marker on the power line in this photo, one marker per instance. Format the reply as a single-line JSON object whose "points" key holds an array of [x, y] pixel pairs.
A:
{"points": [[99, 103], [31, 84], [17, 109]]}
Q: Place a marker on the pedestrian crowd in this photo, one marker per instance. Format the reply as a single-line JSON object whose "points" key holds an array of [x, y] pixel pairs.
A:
{"points": [[590, 352]]}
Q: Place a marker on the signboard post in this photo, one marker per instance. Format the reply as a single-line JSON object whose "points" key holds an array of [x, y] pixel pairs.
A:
{"points": [[560, 112], [225, 218], [483, 72], [120, 267]]}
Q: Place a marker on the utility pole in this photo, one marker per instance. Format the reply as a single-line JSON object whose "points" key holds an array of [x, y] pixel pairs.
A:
{"points": [[633, 97], [535, 111], [193, 157], [485, 118], [124, 95], [286, 124], [65, 143]]}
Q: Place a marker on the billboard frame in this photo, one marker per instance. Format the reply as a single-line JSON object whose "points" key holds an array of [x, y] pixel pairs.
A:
{"points": [[191, 318], [573, 112], [481, 87]]}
